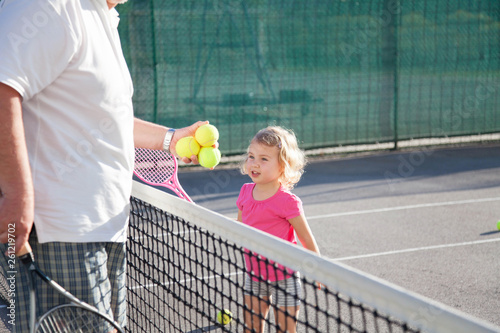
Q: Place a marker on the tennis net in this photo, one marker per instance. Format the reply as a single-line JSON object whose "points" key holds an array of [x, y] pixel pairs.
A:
{"points": [[187, 263]]}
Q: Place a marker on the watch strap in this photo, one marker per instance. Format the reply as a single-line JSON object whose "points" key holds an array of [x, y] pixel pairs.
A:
{"points": [[168, 139]]}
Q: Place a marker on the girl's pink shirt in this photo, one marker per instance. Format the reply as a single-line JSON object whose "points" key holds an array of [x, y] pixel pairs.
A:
{"points": [[270, 215]]}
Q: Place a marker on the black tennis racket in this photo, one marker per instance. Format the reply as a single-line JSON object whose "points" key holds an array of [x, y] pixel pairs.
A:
{"points": [[75, 317]]}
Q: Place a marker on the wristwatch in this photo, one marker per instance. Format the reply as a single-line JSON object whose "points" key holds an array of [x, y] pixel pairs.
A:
{"points": [[168, 139]]}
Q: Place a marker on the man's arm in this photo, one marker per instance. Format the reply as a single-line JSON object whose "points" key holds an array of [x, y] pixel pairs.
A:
{"points": [[150, 135], [16, 183]]}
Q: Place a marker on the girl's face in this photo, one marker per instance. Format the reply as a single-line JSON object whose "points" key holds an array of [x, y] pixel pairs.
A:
{"points": [[262, 164]]}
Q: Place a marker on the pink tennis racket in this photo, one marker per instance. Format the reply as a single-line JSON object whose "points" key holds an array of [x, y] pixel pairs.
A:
{"points": [[158, 168]]}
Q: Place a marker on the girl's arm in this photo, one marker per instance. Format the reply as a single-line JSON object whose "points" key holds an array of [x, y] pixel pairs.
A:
{"points": [[304, 233], [239, 219]]}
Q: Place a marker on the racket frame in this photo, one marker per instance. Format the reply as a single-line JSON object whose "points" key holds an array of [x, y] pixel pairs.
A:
{"points": [[28, 260], [152, 157]]}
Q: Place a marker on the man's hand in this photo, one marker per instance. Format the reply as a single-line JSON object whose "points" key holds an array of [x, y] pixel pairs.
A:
{"points": [[16, 218], [183, 132], [150, 135]]}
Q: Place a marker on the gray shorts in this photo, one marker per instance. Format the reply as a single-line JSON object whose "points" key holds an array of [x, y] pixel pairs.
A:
{"points": [[93, 272], [285, 292]]}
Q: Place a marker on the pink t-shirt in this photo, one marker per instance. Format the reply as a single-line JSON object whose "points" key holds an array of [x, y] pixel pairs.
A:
{"points": [[270, 215]]}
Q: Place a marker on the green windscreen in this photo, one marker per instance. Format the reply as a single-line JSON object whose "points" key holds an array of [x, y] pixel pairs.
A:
{"points": [[335, 72]]}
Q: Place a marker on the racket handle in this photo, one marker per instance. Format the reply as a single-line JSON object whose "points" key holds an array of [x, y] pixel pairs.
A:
{"points": [[24, 250]]}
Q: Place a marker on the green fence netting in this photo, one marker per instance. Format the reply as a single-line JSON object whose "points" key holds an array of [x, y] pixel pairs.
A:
{"points": [[337, 72]]}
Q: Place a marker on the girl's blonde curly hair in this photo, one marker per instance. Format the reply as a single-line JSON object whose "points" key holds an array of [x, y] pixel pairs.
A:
{"points": [[291, 158]]}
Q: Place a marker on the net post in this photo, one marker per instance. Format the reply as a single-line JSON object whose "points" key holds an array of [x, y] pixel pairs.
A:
{"points": [[389, 69]]}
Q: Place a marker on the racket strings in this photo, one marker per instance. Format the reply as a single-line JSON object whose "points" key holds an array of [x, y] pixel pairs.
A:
{"points": [[154, 166], [73, 319]]}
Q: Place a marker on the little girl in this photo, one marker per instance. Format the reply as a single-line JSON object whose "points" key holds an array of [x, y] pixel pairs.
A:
{"points": [[275, 164]]}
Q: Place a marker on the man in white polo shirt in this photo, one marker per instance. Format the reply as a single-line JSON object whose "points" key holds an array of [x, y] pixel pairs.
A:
{"points": [[68, 134]]}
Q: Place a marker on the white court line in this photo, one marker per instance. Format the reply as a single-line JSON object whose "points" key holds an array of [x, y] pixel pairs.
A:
{"points": [[211, 277], [424, 248], [390, 209]]}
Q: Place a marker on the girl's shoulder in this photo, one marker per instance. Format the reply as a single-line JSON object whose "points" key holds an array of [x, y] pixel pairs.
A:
{"points": [[246, 191], [248, 187], [286, 195]]}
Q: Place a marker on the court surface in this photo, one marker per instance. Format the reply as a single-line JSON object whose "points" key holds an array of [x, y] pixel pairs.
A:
{"points": [[424, 219]]}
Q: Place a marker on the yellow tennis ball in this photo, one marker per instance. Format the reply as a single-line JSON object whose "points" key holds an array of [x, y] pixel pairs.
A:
{"points": [[187, 146], [498, 225], [206, 135], [209, 157], [224, 317]]}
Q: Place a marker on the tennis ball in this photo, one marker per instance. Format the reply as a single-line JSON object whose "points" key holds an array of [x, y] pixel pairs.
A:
{"points": [[224, 317], [207, 135], [187, 146], [498, 225], [209, 157]]}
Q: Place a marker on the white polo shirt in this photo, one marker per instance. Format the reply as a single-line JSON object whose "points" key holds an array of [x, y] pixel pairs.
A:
{"points": [[64, 57]]}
